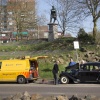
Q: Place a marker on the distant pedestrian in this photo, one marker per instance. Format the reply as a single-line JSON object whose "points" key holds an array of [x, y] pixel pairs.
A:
{"points": [[55, 72], [83, 61], [71, 63]]}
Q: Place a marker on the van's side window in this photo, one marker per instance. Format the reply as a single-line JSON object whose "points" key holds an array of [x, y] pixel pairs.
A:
{"points": [[0, 64]]}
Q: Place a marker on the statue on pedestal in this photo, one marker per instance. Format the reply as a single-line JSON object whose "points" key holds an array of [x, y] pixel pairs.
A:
{"points": [[53, 15]]}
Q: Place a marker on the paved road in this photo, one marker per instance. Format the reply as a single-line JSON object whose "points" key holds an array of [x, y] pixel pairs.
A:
{"points": [[50, 89]]}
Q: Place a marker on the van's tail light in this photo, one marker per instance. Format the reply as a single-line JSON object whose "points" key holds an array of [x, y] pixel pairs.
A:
{"points": [[30, 71], [37, 68]]}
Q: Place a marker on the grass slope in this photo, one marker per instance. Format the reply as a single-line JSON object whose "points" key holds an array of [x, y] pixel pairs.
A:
{"points": [[60, 49]]}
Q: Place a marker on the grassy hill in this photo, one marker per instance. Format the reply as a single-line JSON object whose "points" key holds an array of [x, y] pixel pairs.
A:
{"points": [[60, 49]]}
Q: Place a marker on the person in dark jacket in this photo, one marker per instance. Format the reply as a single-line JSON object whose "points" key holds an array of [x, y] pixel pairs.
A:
{"points": [[55, 72]]}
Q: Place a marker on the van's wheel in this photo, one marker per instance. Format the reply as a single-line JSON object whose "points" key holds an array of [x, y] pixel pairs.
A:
{"points": [[21, 80], [64, 80]]}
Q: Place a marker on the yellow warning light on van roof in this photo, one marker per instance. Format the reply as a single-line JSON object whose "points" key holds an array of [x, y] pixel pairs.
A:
{"points": [[27, 57]]}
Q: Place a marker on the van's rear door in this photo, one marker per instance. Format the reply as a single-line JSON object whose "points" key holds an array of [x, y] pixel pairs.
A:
{"points": [[38, 57], [0, 70], [35, 70]]}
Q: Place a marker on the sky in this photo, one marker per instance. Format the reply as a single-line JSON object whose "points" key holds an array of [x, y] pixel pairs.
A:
{"points": [[44, 8], [3, 2], [87, 24]]}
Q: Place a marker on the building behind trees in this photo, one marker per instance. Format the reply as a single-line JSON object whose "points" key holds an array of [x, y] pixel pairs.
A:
{"points": [[18, 20]]}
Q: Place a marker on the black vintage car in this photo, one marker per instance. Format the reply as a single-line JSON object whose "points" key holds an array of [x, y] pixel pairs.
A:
{"points": [[88, 72]]}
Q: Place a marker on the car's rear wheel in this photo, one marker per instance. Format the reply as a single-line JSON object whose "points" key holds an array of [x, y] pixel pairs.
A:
{"points": [[64, 80], [21, 80]]}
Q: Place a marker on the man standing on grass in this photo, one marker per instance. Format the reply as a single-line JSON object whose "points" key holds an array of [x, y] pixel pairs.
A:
{"points": [[55, 72]]}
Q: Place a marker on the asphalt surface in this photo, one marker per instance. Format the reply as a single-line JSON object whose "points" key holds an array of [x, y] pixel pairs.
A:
{"points": [[49, 89]]}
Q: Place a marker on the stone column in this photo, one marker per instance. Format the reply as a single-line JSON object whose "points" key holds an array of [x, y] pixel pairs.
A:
{"points": [[53, 31]]}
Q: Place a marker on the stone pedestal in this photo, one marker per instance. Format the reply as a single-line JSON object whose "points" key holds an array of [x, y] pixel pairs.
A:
{"points": [[53, 31]]}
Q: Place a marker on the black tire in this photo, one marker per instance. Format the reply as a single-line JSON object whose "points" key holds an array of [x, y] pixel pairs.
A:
{"points": [[21, 80], [64, 80]]}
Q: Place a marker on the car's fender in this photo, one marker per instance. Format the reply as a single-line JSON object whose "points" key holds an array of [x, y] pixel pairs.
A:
{"points": [[70, 77]]}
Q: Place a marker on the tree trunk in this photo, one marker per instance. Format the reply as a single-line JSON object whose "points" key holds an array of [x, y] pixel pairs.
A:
{"points": [[63, 33], [94, 29], [16, 37]]}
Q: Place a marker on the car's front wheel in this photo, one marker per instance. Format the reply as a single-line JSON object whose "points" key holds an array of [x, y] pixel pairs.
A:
{"points": [[64, 80]]}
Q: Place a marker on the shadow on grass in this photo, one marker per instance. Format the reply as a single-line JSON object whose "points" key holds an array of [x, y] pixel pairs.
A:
{"points": [[47, 70]]}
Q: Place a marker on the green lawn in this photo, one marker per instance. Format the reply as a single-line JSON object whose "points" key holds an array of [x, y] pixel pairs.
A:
{"points": [[45, 69], [59, 49]]}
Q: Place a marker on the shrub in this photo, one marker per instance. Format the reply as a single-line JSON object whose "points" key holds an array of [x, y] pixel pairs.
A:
{"points": [[84, 38]]}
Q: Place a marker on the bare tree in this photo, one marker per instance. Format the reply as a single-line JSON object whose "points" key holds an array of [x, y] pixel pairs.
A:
{"points": [[23, 15], [67, 16], [91, 8], [40, 15], [41, 19]]}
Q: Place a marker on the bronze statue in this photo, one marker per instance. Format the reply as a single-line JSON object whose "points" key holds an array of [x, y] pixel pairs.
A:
{"points": [[53, 15]]}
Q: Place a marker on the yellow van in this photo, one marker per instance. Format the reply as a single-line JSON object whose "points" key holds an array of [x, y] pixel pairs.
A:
{"points": [[19, 70]]}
